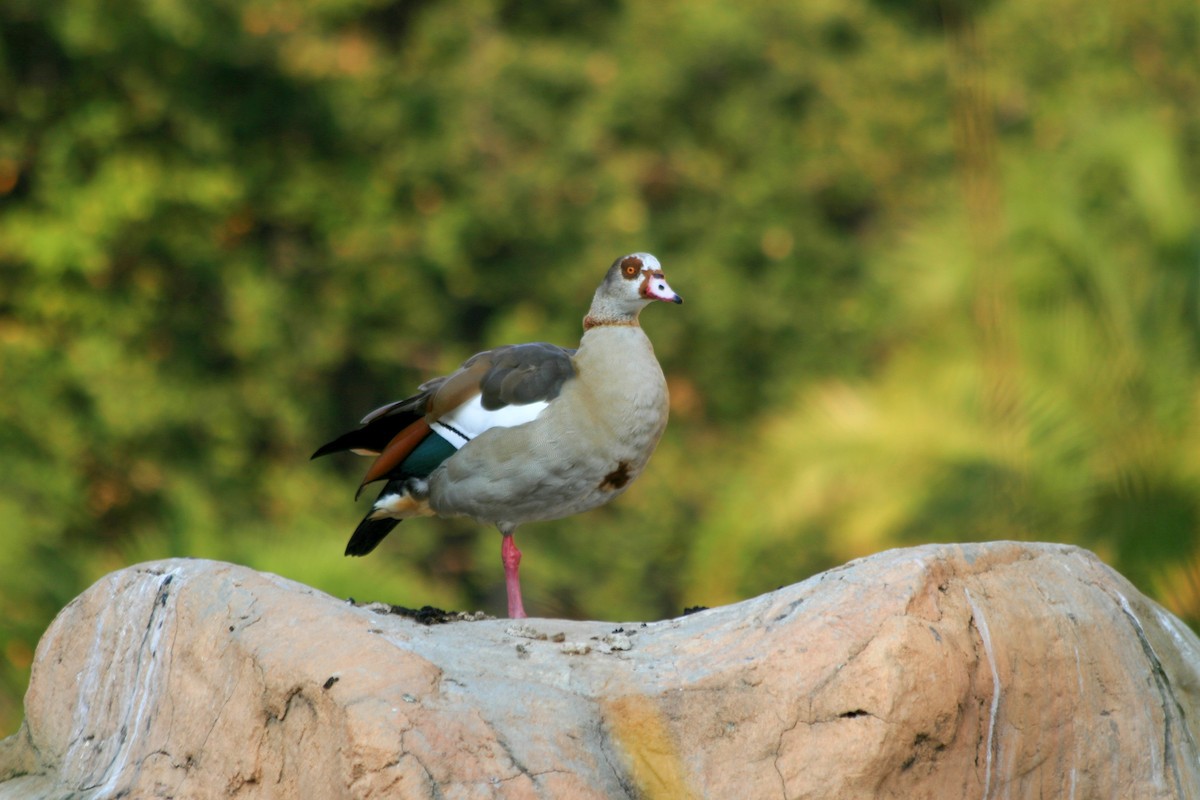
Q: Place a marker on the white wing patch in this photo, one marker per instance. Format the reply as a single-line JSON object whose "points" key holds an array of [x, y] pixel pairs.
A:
{"points": [[471, 419]]}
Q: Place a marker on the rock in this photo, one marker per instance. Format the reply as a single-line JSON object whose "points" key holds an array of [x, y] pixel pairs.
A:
{"points": [[985, 671]]}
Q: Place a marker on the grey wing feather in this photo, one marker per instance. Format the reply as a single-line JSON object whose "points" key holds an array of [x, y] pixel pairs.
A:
{"points": [[525, 373], [511, 375]]}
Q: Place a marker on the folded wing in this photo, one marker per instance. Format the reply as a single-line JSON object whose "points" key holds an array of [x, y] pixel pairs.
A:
{"points": [[503, 387]]}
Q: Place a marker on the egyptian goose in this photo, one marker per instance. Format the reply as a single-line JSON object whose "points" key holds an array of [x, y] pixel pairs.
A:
{"points": [[524, 432]]}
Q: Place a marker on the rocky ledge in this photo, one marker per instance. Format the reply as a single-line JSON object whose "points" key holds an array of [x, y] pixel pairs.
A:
{"points": [[981, 670]]}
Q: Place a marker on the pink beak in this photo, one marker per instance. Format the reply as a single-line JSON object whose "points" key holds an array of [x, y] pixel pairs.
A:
{"points": [[657, 288]]}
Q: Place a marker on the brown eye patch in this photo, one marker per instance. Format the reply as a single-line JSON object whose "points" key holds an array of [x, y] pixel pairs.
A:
{"points": [[631, 266]]}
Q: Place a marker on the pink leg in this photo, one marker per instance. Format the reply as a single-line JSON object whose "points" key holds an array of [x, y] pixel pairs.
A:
{"points": [[511, 556]]}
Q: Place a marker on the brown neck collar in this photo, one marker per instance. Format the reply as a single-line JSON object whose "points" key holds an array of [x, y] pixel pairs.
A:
{"points": [[590, 322]]}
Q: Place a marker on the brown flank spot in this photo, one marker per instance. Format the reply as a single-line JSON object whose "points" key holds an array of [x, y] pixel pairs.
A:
{"points": [[617, 478]]}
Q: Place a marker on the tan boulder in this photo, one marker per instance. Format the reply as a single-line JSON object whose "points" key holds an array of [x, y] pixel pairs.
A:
{"points": [[996, 670]]}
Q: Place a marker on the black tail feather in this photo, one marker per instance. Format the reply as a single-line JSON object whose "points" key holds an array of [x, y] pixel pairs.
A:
{"points": [[369, 534], [372, 437], [347, 441]]}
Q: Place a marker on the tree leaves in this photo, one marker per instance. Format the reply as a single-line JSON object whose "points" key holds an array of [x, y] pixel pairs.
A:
{"points": [[228, 229]]}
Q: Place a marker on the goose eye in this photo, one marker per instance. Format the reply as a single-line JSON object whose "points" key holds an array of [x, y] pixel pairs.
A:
{"points": [[631, 267]]}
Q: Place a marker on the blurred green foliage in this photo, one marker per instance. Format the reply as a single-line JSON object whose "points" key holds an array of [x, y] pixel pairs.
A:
{"points": [[942, 265]]}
